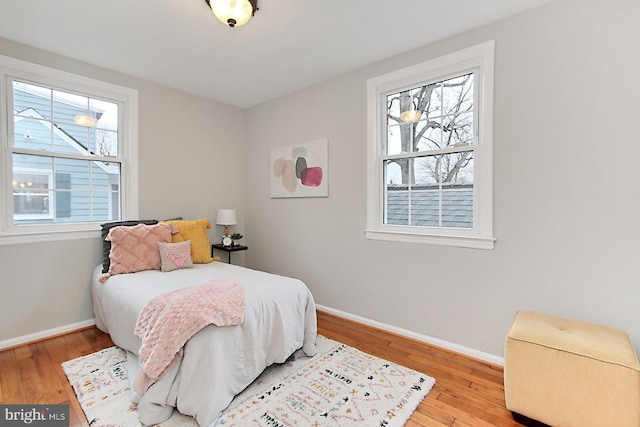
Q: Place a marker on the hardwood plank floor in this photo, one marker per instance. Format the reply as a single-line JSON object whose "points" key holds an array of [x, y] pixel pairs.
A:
{"points": [[468, 392]]}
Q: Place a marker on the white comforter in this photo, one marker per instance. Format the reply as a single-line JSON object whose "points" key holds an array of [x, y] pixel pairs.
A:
{"points": [[218, 362]]}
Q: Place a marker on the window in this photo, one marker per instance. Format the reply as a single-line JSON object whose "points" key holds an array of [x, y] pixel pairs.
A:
{"points": [[430, 151], [69, 149]]}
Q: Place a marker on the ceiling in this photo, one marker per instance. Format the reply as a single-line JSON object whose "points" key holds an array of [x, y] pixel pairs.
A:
{"points": [[288, 45]]}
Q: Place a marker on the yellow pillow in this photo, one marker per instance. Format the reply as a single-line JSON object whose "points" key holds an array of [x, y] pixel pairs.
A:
{"points": [[196, 231]]}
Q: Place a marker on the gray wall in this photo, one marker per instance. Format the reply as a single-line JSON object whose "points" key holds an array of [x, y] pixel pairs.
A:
{"points": [[566, 197], [191, 160]]}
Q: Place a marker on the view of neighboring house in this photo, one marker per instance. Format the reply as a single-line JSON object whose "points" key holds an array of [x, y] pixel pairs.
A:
{"points": [[56, 186]]}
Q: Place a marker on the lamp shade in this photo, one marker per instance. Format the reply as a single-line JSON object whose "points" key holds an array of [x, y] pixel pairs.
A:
{"points": [[226, 217], [232, 12]]}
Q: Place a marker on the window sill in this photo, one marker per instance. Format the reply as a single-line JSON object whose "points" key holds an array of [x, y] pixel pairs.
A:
{"points": [[472, 242], [48, 236]]}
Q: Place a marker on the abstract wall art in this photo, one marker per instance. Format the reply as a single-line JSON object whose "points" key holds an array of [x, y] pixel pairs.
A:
{"points": [[300, 170]]}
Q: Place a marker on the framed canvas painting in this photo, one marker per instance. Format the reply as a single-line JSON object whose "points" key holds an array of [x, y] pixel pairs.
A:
{"points": [[300, 170]]}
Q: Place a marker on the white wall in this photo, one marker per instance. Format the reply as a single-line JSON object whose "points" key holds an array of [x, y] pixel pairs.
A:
{"points": [[191, 161], [566, 195]]}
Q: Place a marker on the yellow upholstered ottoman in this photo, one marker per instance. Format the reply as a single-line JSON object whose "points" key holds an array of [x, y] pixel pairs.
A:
{"points": [[566, 372]]}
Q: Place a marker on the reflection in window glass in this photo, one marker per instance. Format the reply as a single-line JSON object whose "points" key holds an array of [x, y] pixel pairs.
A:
{"points": [[31, 195]]}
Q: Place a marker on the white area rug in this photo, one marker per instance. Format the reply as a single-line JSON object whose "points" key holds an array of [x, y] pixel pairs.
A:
{"points": [[340, 386]]}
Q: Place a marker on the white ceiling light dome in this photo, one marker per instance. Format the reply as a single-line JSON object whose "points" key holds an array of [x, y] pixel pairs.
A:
{"points": [[233, 12]]}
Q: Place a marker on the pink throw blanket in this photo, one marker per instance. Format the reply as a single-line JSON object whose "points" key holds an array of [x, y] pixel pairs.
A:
{"points": [[170, 319]]}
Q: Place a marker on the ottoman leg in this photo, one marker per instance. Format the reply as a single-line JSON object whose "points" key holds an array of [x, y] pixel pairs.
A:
{"points": [[526, 421]]}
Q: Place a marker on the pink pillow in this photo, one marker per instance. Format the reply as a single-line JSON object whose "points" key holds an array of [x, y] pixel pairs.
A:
{"points": [[136, 248], [175, 255]]}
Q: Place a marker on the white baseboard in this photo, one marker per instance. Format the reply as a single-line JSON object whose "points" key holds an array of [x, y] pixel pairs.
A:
{"points": [[476, 354], [13, 342]]}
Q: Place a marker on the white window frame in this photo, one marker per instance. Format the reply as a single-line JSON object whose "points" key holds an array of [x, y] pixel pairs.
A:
{"points": [[479, 58], [127, 98]]}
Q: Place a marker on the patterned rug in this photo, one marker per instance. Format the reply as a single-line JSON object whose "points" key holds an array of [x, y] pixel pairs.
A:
{"points": [[340, 386]]}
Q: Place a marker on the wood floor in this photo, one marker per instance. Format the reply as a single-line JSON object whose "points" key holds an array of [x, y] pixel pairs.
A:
{"points": [[468, 392]]}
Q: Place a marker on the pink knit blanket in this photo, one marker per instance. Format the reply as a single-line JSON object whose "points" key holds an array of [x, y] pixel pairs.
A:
{"points": [[170, 319]]}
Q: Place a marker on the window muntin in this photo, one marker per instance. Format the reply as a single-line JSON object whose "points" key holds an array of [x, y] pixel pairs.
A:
{"points": [[429, 152], [82, 134]]}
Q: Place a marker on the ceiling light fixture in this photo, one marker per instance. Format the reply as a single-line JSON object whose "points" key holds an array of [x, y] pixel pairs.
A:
{"points": [[233, 12]]}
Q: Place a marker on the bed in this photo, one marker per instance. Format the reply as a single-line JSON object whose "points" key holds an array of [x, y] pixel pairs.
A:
{"points": [[217, 362]]}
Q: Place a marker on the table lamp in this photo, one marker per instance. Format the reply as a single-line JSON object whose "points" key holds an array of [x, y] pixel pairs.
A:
{"points": [[226, 217]]}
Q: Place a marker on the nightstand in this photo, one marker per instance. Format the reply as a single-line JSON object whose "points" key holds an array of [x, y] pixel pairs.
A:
{"points": [[228, 249]]}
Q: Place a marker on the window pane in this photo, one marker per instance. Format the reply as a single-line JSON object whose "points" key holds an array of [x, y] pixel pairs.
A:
{"points": [[32, 133], [397, 207], [431, 117], [106, 112], [73, 138], [31, 203], [457, 194], [75, 191], [31, 100], [393, 172], [115, 202], [435, 101], [425, 194], [426, 170], [76, 207], [105, 203], [396, 194], [457, 94], [66, 106], [461, 126], [456, 169], [429, 136], [104, 143], [77, 171], [32, 185], [31, 193], [80, 124], [402, 117], [399, 138], [430, 191], [393, 106]]}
